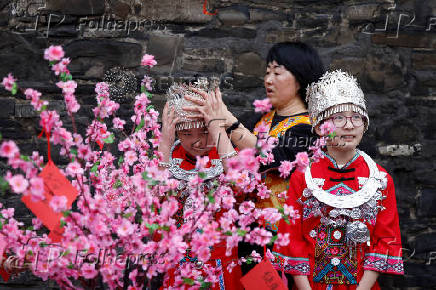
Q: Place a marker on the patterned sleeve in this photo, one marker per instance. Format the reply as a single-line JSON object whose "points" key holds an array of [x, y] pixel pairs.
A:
{"points": [[293, 259], [384, 253]]}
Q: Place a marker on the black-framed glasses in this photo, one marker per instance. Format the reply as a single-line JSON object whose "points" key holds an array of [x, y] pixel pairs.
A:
{"points": [[340, 120]]}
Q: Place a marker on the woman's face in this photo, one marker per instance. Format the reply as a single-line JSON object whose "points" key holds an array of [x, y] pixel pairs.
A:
{"points": [[280, 84], [195, 141]]}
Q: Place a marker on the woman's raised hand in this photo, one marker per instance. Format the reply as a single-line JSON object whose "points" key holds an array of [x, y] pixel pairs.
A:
{"points": [[211, 108], [169, 121]]}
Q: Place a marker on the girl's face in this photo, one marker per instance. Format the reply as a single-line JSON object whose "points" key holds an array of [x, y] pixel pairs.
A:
{"points": [[195, 141], [280, 84], [350, 134]]}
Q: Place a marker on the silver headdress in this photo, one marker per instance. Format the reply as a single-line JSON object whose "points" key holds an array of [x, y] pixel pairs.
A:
{"points": [[177, 101], [335, 92]]}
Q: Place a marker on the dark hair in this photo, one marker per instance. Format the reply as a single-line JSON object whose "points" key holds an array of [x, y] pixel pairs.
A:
{"points": [[301, 60]]}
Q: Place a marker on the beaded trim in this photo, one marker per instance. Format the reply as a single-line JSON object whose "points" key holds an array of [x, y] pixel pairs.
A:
{"points": [[375, 182], [179, 173]]}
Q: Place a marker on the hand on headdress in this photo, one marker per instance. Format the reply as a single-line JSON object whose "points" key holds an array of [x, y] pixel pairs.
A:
{"points": [[211, 108], [169, 121]]}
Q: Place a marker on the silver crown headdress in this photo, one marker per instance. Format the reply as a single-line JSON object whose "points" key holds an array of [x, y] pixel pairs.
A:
{"points": [[176, 100], [335, 92]]}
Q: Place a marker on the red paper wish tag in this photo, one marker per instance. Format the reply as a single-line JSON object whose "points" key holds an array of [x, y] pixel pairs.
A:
{"points": [[263, 276], [55, 183], [55, 236]]}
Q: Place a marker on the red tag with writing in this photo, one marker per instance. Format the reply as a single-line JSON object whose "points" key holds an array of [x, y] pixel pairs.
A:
{"points": [[55, 183], [263, 276]]}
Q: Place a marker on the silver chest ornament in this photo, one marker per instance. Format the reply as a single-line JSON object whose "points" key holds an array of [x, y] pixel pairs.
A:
{"points": [[351, 209]]}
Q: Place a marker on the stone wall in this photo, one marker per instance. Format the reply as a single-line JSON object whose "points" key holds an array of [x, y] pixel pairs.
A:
{"points": [[389, 45]]}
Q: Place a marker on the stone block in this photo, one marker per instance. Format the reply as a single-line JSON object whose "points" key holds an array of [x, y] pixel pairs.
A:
{"points": [[7, 107], [241, 82], [91, 58], [234, 16], [419, 274], [188, 11], [203, 65], [353, 65], [262, 15], [364, 12], [399, 150], [424, 61], [165, 48], [250, 63], [237, 32], [120, 9], [23, 54], [4, 19], [414, 40], [427, 203], [384, 71], [26, 110], [12, 129], [77, 7]]}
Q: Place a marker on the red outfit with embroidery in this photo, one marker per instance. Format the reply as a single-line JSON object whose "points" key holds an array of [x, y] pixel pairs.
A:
{"points": [[180, 159], [333, 244]]}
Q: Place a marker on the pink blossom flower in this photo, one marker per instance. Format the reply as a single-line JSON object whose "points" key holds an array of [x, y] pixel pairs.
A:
{"points": [[88, 271], [118, 123], [9, 149], [74, 168], [37, 224], [125, 229], [54, 52], [8, 82], [262, 106], [282, 240], [327, 128], [130, 157], [61, 67], [246, 207], [149, 60], [68, 87], [58, 203], [18, 183], [201, 162], [146, 82], [302, 161], [37, 189], [285, 168], [291, 212]]}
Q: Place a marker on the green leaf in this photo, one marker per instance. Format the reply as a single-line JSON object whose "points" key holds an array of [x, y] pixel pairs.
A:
{"points": [[241, 233], [143, 90], [248, 261], [281, 210], [53, 62], [202, 175], [127, 215], [25, 158], [30, 252], [69, 77], [228, 233], [70, 266], [211, 198], [30, 228], [14, 89], [63, 223], [286, 218], [1, 225], [65, 253], [66, 213], [120, 160], [188, 281], [43, 108], [149, 95], [273, 239], [43, 244], [4, 185], [117, 184], [151, 228], [145, 176], [165, 228], [140, 126], [109, 139], [1, 137], [73, 151], [149, 107], [206, 285], [95, 167]]}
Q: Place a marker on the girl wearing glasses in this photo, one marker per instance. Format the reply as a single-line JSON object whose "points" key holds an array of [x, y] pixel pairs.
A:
{"points": [[348, 230]]}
